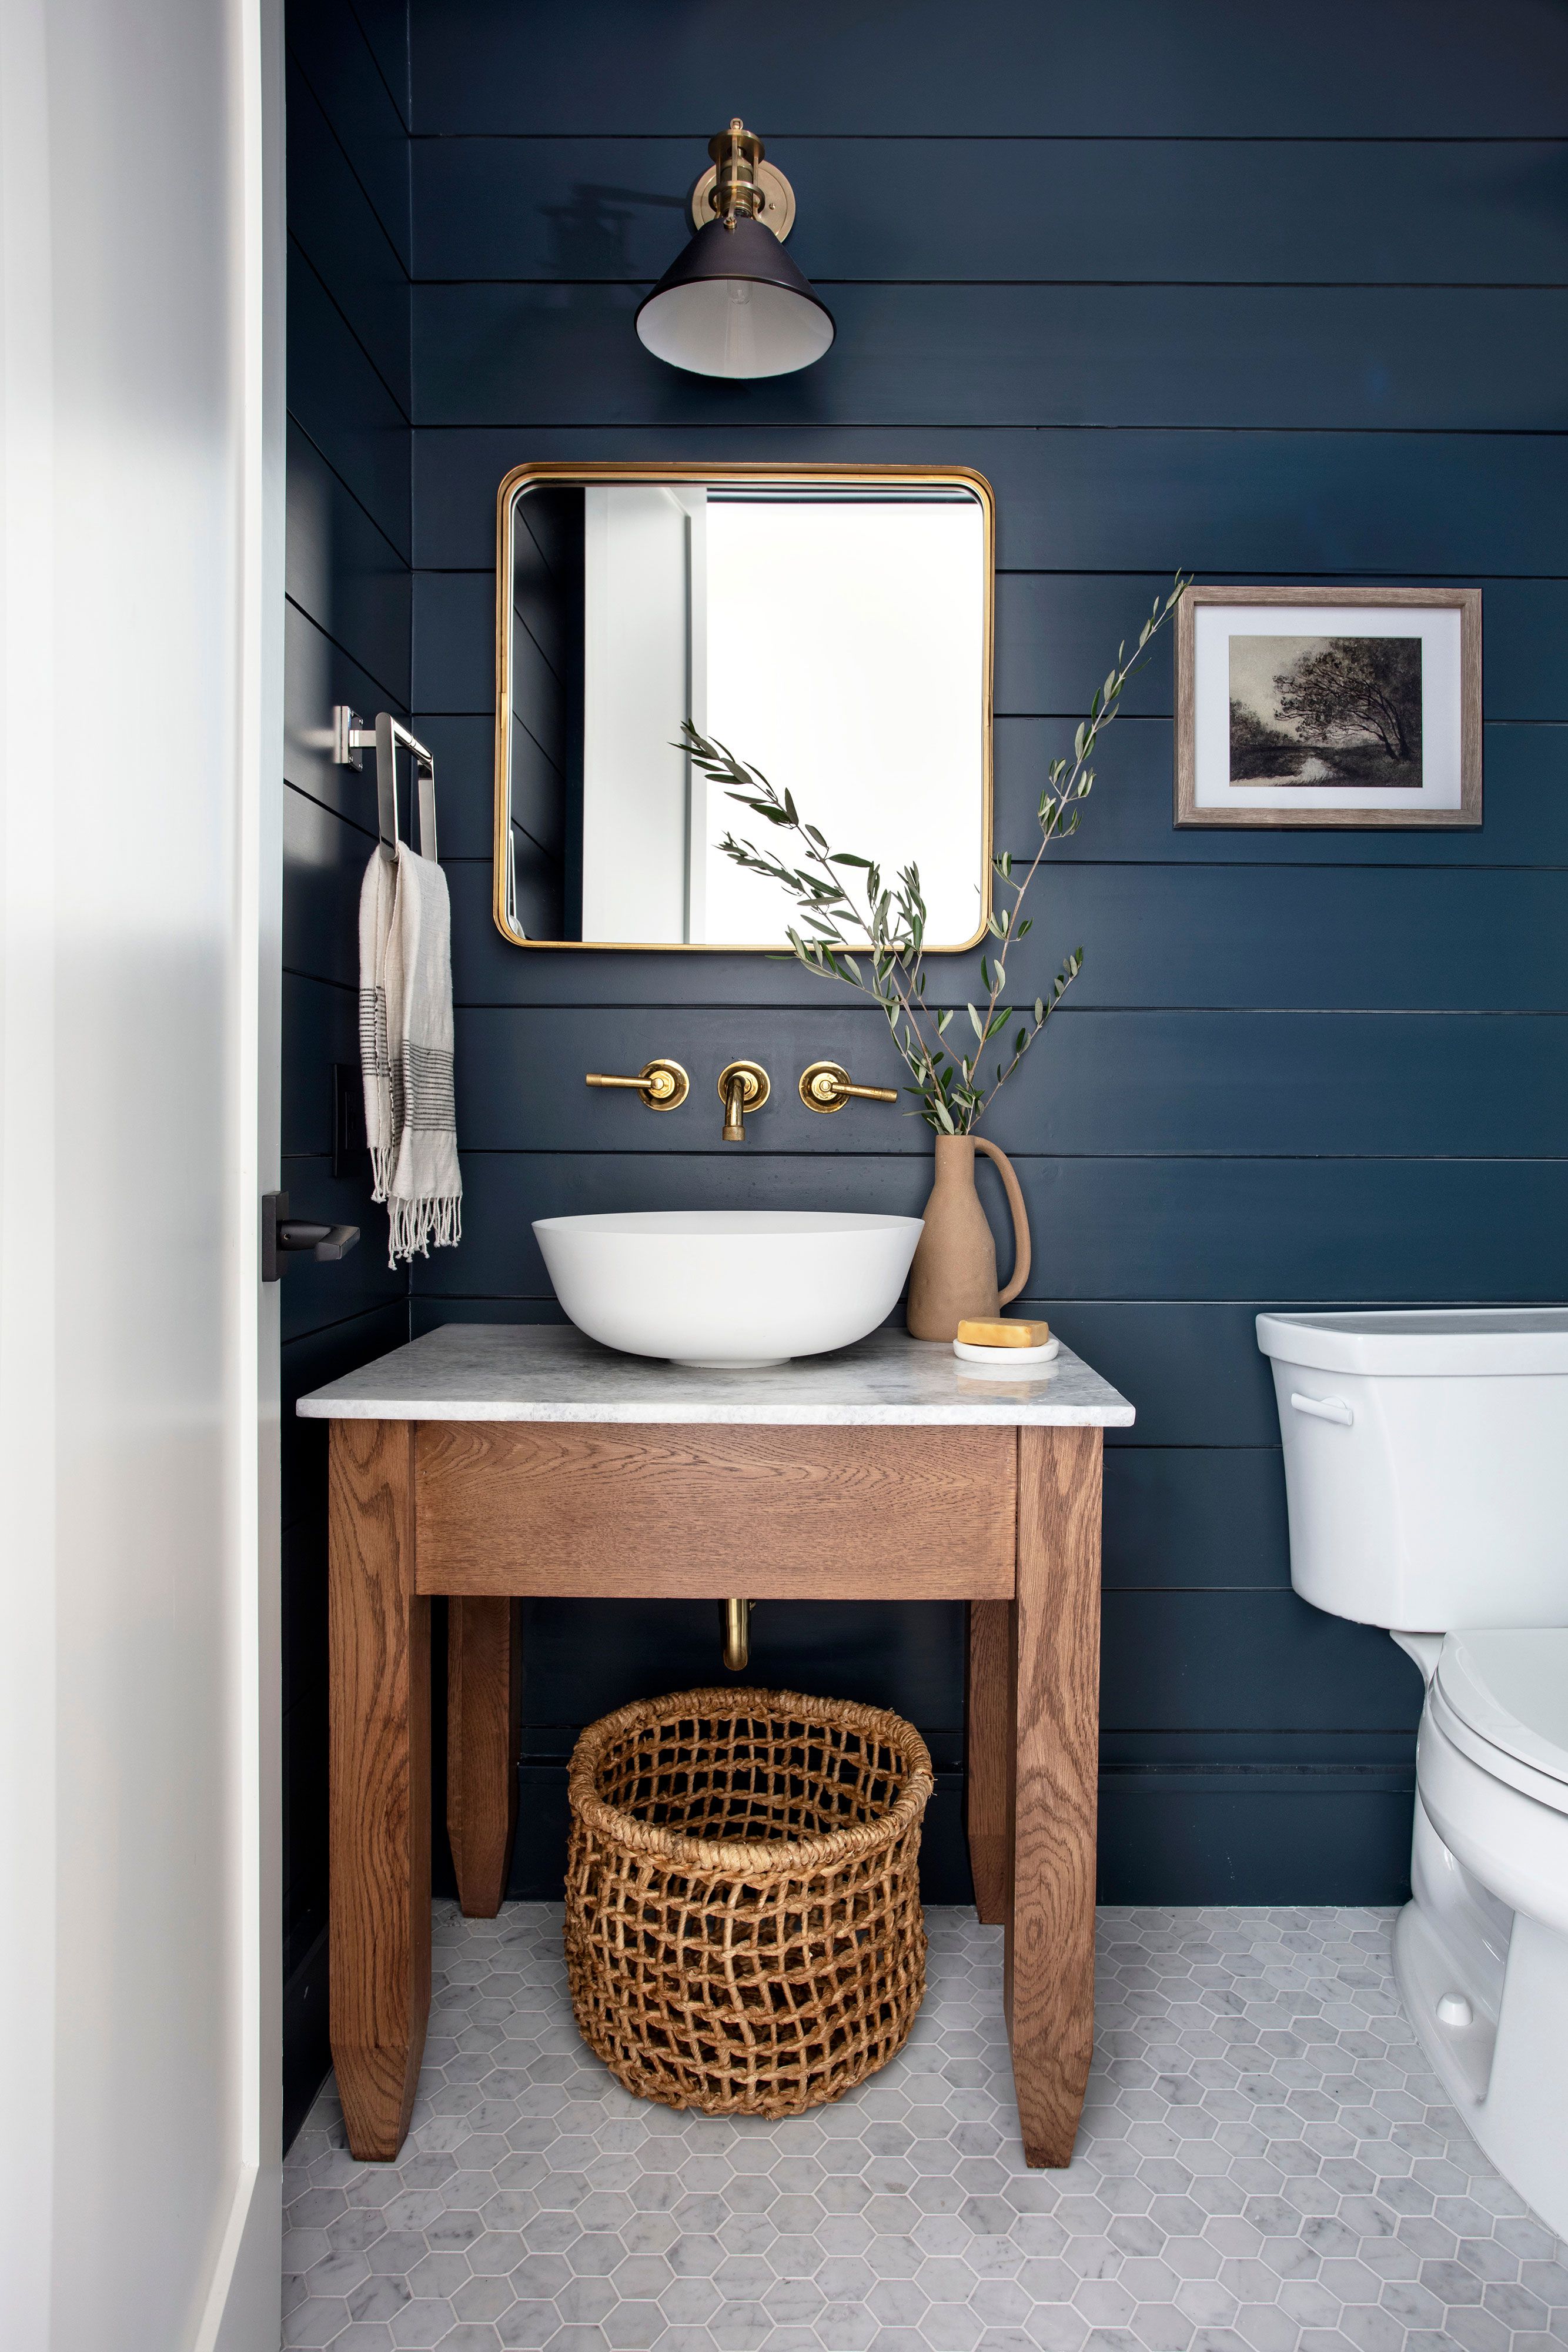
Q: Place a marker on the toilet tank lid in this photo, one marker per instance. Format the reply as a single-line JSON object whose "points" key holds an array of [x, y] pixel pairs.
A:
{"points": [[1414, 1341], [1512, 1687]]}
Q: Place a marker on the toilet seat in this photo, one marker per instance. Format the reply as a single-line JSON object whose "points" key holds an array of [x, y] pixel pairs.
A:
{"points": [[1502, 1697]]}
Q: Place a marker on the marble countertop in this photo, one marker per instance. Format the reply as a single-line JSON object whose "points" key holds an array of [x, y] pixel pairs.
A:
{"points": [[538, 1371]]}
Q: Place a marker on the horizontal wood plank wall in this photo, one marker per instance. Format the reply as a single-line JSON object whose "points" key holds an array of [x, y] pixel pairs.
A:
{"points": [[1254, 314], [347, 624]]}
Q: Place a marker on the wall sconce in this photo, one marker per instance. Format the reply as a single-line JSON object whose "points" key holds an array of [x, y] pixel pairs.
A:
{"points": [[734, 303]]}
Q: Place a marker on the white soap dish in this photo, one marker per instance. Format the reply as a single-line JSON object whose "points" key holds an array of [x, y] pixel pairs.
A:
{"points": [[1008, 1359]]}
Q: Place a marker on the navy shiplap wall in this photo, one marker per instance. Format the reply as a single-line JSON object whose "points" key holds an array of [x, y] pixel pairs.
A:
{"points": [[348, 590], [1193, 287]]}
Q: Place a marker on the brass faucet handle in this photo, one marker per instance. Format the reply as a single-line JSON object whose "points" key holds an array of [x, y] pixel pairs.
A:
{"points": [[825, 1085], [662, 1085]]}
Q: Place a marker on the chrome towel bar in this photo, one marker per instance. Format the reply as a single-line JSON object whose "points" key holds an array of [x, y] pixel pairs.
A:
{"points": [[350, 737]]}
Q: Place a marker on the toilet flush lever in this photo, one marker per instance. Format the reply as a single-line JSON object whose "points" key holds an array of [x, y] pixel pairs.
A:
{"points": [[1325, 1409]]}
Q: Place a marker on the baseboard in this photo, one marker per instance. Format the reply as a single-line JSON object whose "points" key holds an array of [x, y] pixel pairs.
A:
{"points": [[245, 2302], [307, 2051], [1318, 1835]]}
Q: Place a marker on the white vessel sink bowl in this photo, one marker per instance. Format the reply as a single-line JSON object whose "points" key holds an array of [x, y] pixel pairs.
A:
{"points": [[728, 1289]]}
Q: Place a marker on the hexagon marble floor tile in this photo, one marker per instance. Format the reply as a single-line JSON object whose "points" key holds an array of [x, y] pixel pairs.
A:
{"points": [[1265, 2162]]}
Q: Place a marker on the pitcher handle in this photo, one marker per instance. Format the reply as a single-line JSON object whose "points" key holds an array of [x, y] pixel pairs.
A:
{"points": [[1014, 1192]]}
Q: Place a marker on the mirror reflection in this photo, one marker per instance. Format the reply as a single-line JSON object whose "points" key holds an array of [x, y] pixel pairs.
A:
{"points": [[832, 630]]}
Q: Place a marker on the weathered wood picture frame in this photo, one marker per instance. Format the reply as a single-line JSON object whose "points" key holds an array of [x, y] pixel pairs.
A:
{"points": [[1330, 720]]}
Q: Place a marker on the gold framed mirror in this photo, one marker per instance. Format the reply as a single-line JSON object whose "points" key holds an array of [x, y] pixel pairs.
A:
{"points": [[831, 625]]}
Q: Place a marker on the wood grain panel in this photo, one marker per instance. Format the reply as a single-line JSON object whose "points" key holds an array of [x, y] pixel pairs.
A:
{"points": [[1052, 630], [1254, 212], [335, 46], [1231, 505], [1259, 1661], [1092, 524], [1244, 935], [1015, 68], [1524, 826], [317, 672], [1343, 358], [687, 1513], [324, 860], [988, 1757], [311, 1300], [1191, 1515], [1049, 1970], [345, 575], [334, 222], [483, 1727], [1306, 1836], [380, 1785], [1132, 821], [1372, 1231], [338, 398], [1276, 1084]]}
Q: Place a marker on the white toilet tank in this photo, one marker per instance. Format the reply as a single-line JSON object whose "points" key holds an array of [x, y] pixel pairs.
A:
{"points": [[1427, 1463]]}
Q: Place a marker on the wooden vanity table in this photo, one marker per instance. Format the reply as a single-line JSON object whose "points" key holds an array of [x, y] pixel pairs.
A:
{"points": [[490, 1462]]}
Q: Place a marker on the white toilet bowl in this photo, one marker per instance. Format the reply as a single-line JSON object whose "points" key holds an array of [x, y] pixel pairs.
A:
{"points": [[1481, 1950], [1426, 1474]]}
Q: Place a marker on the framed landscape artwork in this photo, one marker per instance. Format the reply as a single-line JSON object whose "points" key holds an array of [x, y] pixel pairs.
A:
{"points": [[1329, 706]]}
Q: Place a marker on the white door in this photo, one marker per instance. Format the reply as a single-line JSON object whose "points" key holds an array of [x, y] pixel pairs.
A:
{"points": [[140, 607]]}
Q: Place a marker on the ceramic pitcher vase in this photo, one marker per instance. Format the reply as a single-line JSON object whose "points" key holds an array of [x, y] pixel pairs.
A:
{"points": [[955, 1271]]}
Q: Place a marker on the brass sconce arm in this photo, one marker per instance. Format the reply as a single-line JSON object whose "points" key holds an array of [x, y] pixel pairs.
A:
{"points": [[735, 194], [662, 1085], [825, 1085]]}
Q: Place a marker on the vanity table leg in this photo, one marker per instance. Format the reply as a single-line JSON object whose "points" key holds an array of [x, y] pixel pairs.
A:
{"points": [[988, 1754], [1055, 1647], [380, 1774], [484, 1731]]}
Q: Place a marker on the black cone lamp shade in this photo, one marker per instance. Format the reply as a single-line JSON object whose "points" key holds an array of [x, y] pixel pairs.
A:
{"points": [[734, 304]]}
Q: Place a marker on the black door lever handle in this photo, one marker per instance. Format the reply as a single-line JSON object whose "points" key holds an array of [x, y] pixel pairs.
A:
{"points": [[283, 1237], [322, 1241]]}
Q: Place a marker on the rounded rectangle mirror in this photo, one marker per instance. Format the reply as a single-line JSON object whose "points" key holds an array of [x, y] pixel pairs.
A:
{"points": [[830, 625]]}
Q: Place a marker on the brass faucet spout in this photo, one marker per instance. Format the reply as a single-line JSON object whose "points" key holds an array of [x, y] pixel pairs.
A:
{"points": [[742, 1087]]}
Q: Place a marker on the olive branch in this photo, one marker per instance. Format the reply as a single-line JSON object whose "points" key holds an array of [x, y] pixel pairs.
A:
{"points": [[890, 915]]}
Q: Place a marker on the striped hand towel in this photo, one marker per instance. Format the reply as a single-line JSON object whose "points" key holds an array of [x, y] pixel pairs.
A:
{"points": [[405, 1049]]}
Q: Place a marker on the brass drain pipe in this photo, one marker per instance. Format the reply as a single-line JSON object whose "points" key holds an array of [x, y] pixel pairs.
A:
{"points": [[735, 1619]]}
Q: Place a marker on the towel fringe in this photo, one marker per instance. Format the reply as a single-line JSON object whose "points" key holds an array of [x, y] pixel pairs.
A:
{"points": [[415, 1224]]}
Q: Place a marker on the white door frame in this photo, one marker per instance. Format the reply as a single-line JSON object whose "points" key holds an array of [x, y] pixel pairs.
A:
{"points": [[242, 2312], [141, 257]]}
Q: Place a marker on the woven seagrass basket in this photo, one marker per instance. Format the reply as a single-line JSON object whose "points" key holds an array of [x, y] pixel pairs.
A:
{"points": [[742, 1923]]}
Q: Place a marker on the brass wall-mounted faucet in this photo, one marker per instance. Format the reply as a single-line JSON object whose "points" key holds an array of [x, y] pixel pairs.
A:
{"points": [[742, 1087], [825, 1085]]}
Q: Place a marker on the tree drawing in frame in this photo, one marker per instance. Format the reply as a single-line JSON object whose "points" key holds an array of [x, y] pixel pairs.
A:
{"points": [[1330, 712]]}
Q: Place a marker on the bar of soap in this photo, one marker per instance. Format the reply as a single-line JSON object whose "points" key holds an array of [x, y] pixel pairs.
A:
{"points": [[1001, 1334]]}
